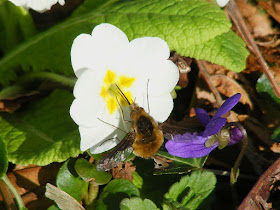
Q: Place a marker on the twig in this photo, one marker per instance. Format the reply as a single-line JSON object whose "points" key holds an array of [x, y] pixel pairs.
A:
{"points": [[203, 72], [259, 194], [245, 33], [227, 173], [269, 10]]}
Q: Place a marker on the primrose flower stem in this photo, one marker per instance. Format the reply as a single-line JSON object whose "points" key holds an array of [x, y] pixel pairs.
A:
{"points": [[93, 190], [14, 191], [67, 81]]}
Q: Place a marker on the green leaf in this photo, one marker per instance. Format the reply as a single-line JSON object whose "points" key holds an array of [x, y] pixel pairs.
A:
{"points": [[180, 165], [114, 192], [87, 171], [42, 132], [182, 24], [53, 207], [276, 135], [16, 25], [137, 180], [89, 6], [69, 181], [264, 87], [226, 49], [3, 158], [190, 191], [137, 204]]}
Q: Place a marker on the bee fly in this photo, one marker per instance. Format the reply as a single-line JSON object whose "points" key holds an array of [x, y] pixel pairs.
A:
{"points": [[144, 139]]}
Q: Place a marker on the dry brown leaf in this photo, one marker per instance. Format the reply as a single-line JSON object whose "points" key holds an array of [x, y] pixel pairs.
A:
{"points": [[229, 87], [161, 162], [269, 7], [62, 199], [259, 23], [275, 147], [30, 184], [124, 171], [13, 103]]}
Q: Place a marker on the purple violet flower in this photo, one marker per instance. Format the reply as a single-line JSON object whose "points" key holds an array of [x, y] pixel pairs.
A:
{"points": [[193, 145]]}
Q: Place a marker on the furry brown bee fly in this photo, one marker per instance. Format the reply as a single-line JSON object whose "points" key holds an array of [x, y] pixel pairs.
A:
{"points": [[144, 139]]}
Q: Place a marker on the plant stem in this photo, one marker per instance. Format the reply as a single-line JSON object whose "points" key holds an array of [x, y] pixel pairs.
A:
{"points": [[93, 190], [14, 191], [66, 81], [235, 170]]}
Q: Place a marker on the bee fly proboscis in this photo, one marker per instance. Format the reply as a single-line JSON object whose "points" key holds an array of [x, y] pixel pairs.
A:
{"points": [[144, 139]]}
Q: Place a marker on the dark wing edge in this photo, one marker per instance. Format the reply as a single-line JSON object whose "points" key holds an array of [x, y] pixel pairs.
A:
{"points": [[118, 154]]}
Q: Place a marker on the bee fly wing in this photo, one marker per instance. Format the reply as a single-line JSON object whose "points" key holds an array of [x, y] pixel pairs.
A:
{"points": [[189, 125], [117, 155]]}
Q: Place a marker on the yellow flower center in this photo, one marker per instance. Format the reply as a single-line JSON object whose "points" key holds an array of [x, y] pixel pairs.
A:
{"points": [[111, 94]]}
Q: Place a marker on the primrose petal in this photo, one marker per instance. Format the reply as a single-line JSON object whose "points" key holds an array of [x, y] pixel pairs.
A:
{"points": [[160, 107], [150, 48], [222, 3], [82, 52], [106, 65], [37, 5], [163, 81], [85, 111]]}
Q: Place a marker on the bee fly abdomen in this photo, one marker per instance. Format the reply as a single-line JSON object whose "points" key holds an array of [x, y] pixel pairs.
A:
{"points": [[148, 137]]}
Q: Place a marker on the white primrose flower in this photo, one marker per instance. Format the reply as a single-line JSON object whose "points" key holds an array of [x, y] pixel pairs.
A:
{"points": [[37, 5], [222, 3], [140, 68]]}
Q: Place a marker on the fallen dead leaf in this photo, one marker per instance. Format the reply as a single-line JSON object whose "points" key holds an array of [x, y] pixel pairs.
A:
{"points": [[229, 87], [258, 23], [30, 184], [275, 147], [124, 171]]}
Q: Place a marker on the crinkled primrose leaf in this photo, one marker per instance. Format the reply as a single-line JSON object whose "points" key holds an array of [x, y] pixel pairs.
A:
{"points": [[190, 191], [41, 133], [137, 204], [3, 158], [264, 87], [180, 165], [16, 25], [87, 171], [69, 181], [189, 27], [114, 192]]}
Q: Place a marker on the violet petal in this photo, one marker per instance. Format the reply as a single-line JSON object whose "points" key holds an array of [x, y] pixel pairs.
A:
{"points": [[227, 105], [202, 116], [195, 149], [235, 136], [214, 126], [185, 138]]}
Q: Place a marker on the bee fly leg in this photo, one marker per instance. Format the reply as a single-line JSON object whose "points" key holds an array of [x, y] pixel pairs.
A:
{"points": [[112, 125], [148, 97]]}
